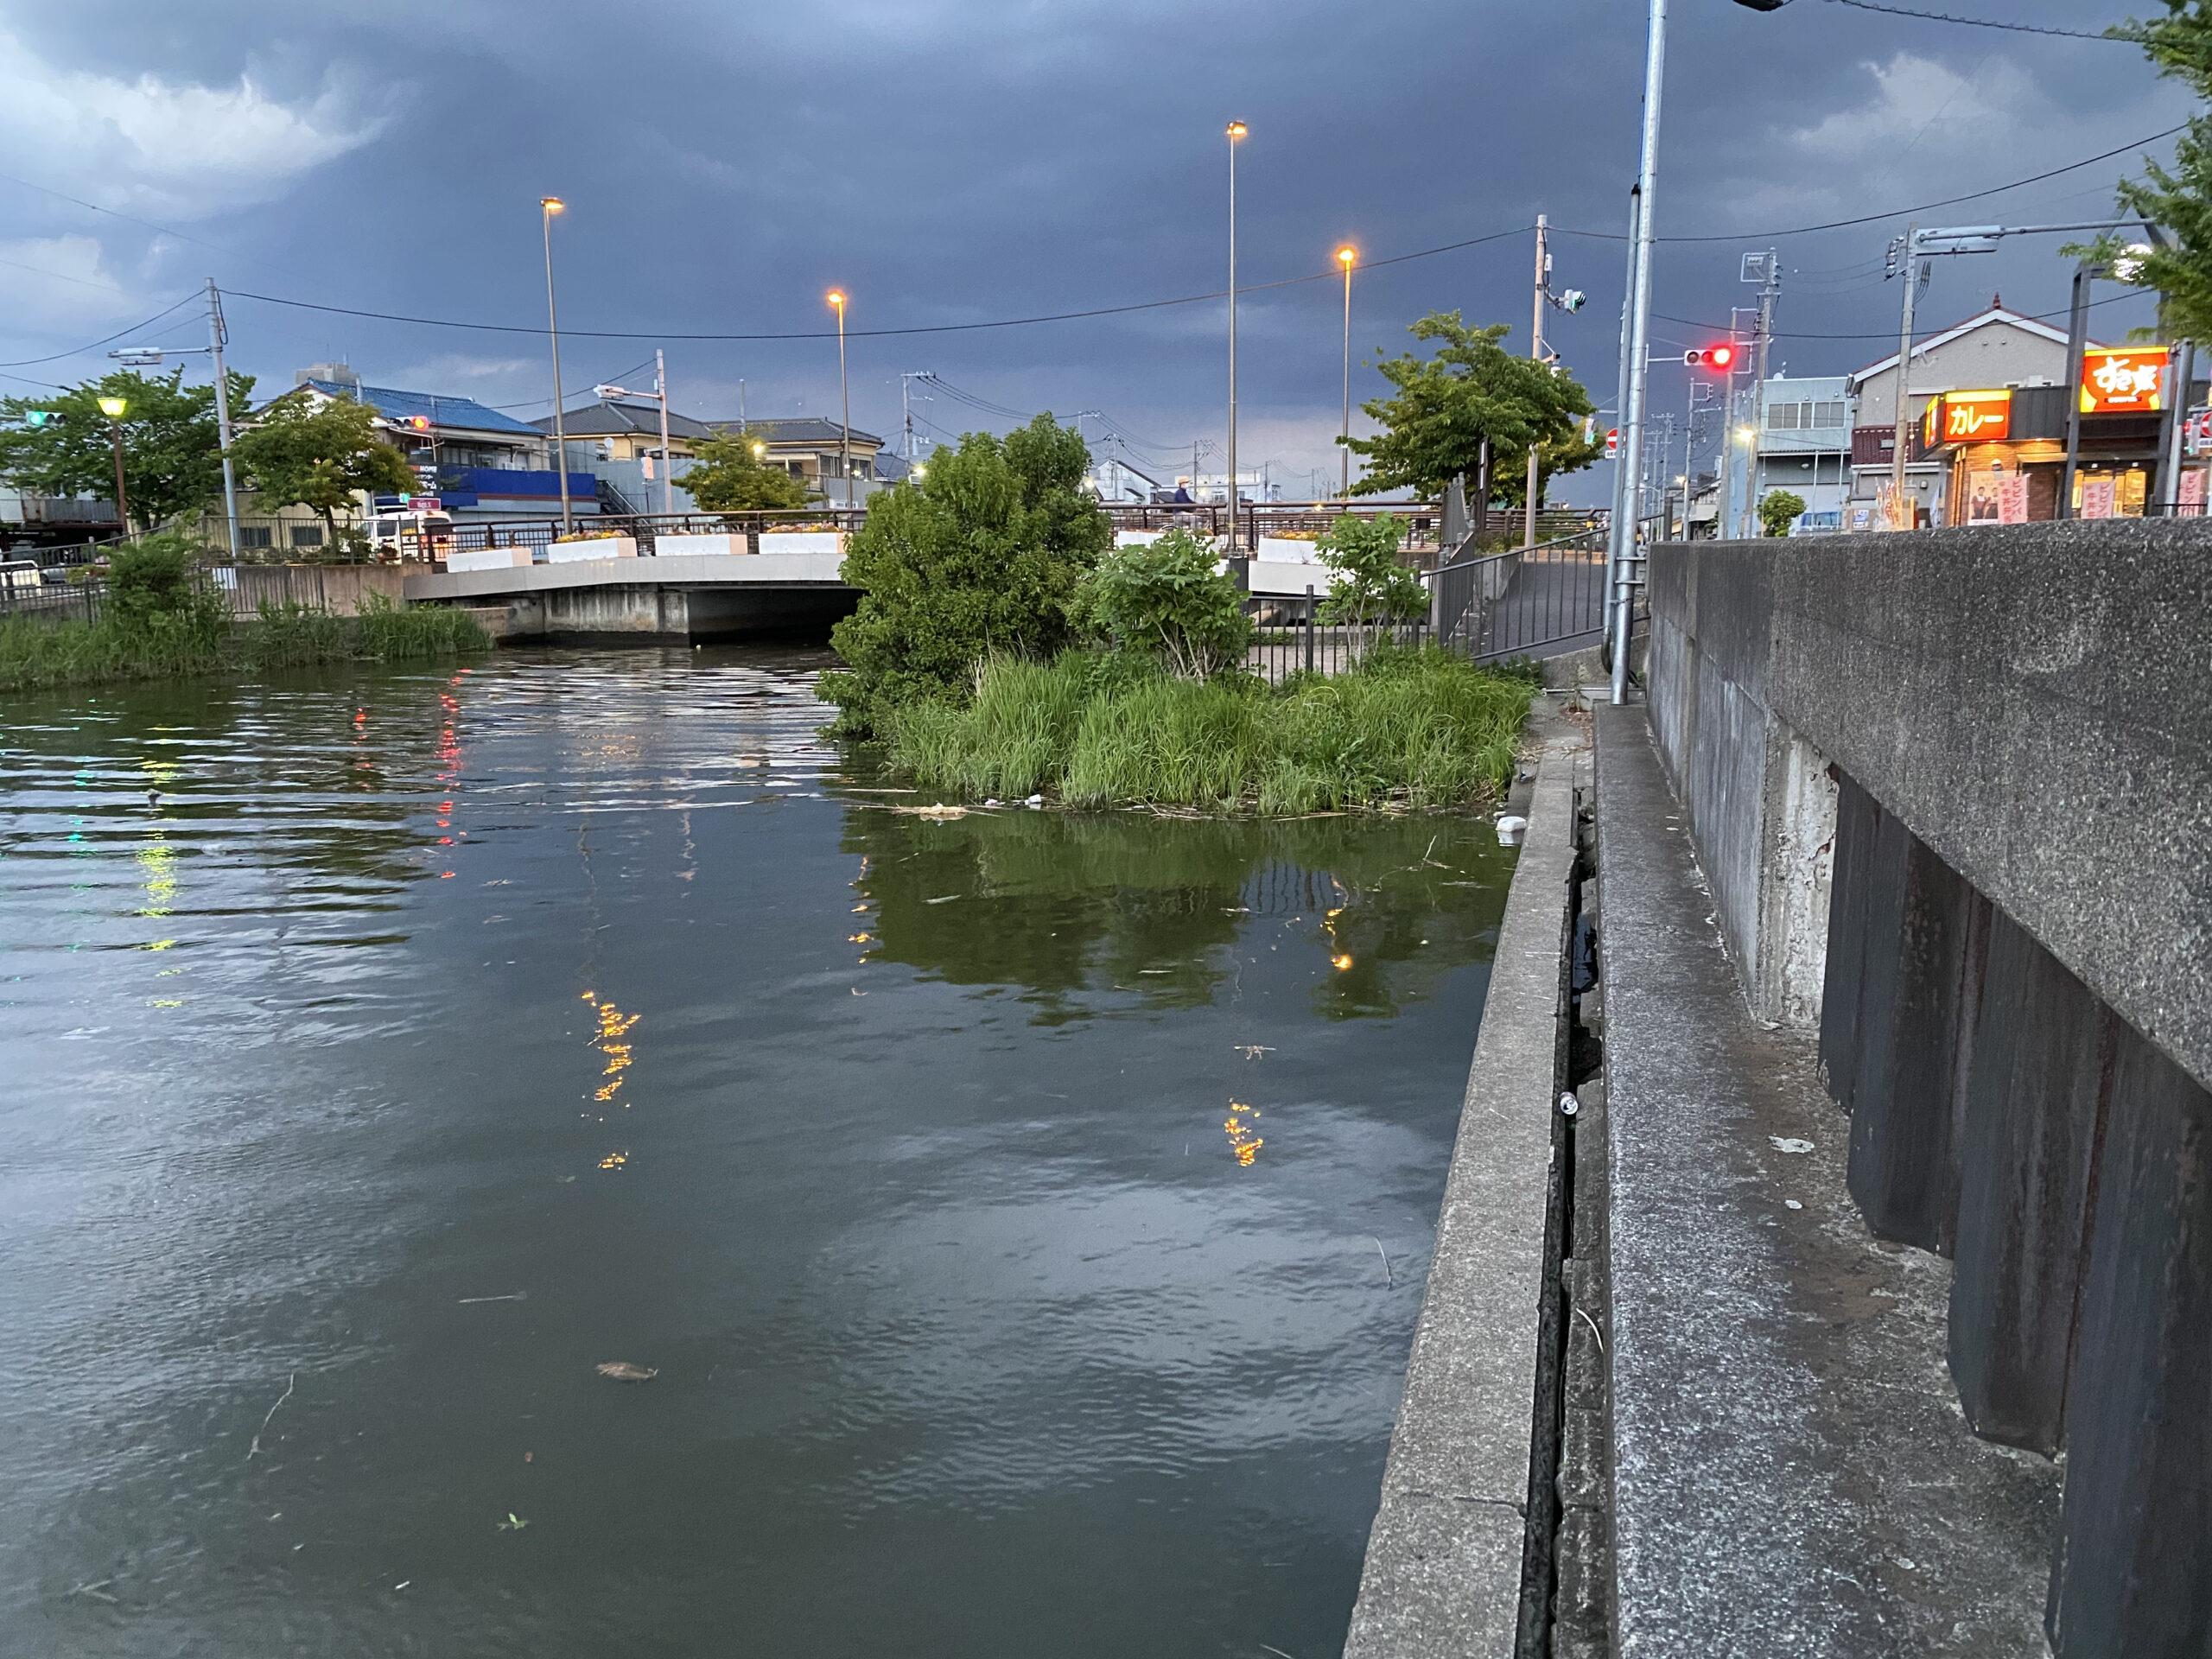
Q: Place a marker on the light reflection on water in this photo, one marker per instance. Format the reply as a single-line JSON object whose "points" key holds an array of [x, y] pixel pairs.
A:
{"points": [[993, 1198]]}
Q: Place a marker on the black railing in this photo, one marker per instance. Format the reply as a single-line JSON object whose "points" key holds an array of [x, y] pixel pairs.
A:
{"points": [[74, 601], [1293, 638], [1547, 600]]}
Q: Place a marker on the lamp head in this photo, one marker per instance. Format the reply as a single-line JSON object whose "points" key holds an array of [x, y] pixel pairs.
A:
{"points": [[1235, 130], [837, 299], [759, 450], [1347, 256], [114, 408], [552, 204]]}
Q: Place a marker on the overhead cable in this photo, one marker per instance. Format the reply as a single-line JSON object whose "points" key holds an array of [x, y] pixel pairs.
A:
{"points": [[1981, 23]]}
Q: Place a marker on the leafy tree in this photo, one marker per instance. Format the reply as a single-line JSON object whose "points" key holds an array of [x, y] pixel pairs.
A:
{"points": [[1778, 509], [1371, 585], [172, 445], [1170, 600], [2178, 200], [309, 451], [984, 556], [1473, 389], [726, 476]]}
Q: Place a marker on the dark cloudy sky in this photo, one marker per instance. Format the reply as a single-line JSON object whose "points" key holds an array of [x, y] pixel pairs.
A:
{"points": [[725, 164]]}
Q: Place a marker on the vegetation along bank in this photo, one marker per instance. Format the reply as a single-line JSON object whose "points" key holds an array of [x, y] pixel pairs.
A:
{"points": [[155, 621]]}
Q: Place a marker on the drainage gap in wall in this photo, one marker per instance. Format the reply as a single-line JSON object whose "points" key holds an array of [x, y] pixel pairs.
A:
{"points": [[1566, 1600]]}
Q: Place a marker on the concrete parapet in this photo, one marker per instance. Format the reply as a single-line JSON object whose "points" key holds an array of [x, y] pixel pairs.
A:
{"points": [[2012, 1001], [2028, 700]]}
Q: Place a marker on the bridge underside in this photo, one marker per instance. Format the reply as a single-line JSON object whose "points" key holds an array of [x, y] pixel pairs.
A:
{"points": [[725, 598]]}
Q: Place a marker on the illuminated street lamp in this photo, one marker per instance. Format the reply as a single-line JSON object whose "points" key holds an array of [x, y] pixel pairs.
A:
{"points": [[845, 399], [548, 206], [1347, 256], [115, 408]]}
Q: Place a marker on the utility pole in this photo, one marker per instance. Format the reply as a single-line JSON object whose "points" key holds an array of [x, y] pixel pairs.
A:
{"points": [[667, 480], [218, 337], [1622, 507], [1911, 271], [2077, 343], [1537, 351], [1723, 508], [1770, 266]]}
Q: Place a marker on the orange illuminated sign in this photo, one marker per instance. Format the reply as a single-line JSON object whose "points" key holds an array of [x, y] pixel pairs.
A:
{"points": [[2122, 382], [1977, 416]]}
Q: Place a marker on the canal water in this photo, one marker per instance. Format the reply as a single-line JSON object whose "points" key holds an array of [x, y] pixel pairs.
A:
{"points": [[1022, 1216]]}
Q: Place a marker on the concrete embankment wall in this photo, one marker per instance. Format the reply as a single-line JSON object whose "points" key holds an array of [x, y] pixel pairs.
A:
{"points": [[1952, 794]]}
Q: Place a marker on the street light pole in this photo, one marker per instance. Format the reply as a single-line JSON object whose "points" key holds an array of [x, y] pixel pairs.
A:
{"points": [[1347, 256], [548, 206], [1236, 130], [845, 425], [1646, 195], [115, 408]]}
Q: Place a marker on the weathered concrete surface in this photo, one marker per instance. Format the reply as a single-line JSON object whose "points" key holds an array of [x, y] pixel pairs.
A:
{"points": [[1792, 1476], [2029, 701], [1444, 1561]]}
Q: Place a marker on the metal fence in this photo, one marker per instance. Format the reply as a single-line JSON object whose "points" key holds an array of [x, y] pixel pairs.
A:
{"points": [[1293, 638], [1549, 598], [76, 602]]}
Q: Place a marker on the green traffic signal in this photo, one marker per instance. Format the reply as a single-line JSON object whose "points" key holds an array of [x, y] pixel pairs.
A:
{"points": [[38, 417]]}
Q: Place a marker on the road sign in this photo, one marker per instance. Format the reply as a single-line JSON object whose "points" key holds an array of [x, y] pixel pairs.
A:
{"points": [[424, 503], [2196, 433]]}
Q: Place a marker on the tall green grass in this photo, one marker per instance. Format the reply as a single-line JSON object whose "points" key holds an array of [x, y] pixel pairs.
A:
{"points": [[1408, 729], [42, 653]]}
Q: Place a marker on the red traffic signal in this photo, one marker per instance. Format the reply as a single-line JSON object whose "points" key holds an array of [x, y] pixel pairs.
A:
{"points": [[419, 422], [1719, 358]]}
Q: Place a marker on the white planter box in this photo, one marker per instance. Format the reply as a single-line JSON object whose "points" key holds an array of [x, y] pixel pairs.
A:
{"points": [[802, 541], [598, 547], [1282, 549], [1137, 537], [1282, 578], [488, 558], [684, 547]]}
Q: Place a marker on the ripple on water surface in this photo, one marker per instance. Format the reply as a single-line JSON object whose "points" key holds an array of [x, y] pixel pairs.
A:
{"points": [[1000, 1203]]}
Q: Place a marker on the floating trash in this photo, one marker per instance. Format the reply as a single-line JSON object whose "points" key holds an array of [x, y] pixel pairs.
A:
{"points": [[622, 1371]]}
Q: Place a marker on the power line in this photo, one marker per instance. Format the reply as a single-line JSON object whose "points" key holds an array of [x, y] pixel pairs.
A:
{"points": [[869, 333], [1890, 334], [59, 196], [1894, 212], [136, 328], [1981, 23]]}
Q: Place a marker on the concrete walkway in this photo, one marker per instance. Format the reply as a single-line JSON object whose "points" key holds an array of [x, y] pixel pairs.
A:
{"points": [[1792, 1474]]}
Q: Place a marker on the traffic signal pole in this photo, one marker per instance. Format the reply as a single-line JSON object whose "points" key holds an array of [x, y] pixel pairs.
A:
{"points": [[1911, 275], [1626, 578]]}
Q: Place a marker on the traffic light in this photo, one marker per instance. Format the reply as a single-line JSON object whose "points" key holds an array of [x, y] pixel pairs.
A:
{"points": [[1719, 358], [419, 422], [35, 418]]}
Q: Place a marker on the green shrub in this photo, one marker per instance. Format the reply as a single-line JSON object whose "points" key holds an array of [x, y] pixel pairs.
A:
{"points": [[980, 559], [1171, 601]]}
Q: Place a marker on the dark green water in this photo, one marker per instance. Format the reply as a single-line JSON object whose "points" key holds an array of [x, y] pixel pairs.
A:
{"points": [[997, 1200]]}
